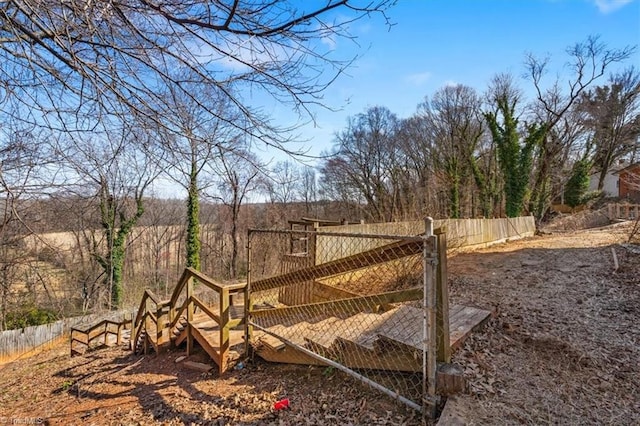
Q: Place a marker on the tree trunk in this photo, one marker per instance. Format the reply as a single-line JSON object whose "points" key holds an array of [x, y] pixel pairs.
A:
{"points": [[193, 220]]}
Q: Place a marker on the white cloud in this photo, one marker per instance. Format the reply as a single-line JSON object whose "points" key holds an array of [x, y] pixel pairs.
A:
{"points": [[608, 6], [451, 83], [418, 79]]}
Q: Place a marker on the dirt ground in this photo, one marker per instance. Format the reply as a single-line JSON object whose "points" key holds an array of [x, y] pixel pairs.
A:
{"points": [[564, 348]]}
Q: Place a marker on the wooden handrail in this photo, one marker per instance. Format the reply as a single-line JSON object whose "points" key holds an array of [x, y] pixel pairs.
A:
{"points": [[213, 285], [148, 294], [178, 313], [103, 326], [206, 309], [98, 325], [184, 279]]}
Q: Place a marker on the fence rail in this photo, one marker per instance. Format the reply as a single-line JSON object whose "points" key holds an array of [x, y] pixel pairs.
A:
{"points": [[623, 211], [82, 338], [22, 342], [459, 232]]}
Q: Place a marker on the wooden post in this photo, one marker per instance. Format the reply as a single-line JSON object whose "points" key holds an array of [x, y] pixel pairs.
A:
{"points": [[146, 334], [189, 316], [248, 330], [106, 332], [161, 315], [442, 300], [172, 313], [224, 330], [119, 335], [71, 342]]}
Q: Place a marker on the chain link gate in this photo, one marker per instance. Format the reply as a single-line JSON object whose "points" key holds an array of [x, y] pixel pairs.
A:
{"points": [[356, 302]]}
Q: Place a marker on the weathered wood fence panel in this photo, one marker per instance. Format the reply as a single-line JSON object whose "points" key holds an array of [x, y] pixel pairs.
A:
{"points": [[460, 233], [623, 211]]}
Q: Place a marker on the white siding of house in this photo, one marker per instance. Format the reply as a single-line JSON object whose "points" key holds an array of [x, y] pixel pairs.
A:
{"points": [[610, 188]]}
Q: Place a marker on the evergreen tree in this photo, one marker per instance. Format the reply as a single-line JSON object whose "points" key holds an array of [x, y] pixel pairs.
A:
{"points": [[578, 184]]}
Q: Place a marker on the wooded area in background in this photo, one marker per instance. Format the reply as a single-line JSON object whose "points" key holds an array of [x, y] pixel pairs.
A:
{"points": [[90, 130]]}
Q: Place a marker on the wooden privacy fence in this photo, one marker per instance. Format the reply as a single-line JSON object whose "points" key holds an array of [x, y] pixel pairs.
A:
{"points": [[459, 232], [623, 211]]}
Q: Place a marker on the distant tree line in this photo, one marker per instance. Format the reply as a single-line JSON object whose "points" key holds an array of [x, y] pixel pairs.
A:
{"points": [[466, 153]]}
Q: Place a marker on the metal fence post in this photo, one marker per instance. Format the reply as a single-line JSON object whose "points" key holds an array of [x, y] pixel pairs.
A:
{"points": [[429, 331]]}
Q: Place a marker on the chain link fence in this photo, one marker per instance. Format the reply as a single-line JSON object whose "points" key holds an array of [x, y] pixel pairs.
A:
{"points": [[351, 301]]}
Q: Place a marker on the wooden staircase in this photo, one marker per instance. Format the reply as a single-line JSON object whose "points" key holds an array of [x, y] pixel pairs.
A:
{"points": [[219, 328], [391, 340]]}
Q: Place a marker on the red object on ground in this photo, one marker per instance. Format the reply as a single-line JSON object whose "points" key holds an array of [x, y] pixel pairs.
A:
{"points": [[281, 405]]}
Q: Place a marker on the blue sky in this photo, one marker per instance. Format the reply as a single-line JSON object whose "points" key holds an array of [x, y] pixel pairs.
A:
{"points": [[434, 43]]}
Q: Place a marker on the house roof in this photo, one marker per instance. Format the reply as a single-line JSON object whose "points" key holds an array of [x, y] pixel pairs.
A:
{"points": [[627, 167], [614, 169]]}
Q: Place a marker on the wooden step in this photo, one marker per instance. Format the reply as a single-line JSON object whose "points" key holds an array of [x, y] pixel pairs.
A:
{"points": [[390, 340], [180, 337], [464, 322], [357, 356], [323, 333]]}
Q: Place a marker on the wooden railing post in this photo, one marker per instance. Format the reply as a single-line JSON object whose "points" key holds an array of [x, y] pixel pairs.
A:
{"points": [[71, 344], [248, 329], [442, 300], [161, 316], [224, 329], [146, 338], [172, 313], [189, 316]]}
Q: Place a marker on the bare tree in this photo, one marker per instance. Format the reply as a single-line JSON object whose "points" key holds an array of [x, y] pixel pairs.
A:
{"points": [[308, 189], [453, 117], [365, 163], [114, 167], [589, 61], [414, 137], [283, 182], [239, 174], [24, 176], [613, 119], [188, 151], [71, 63]]}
